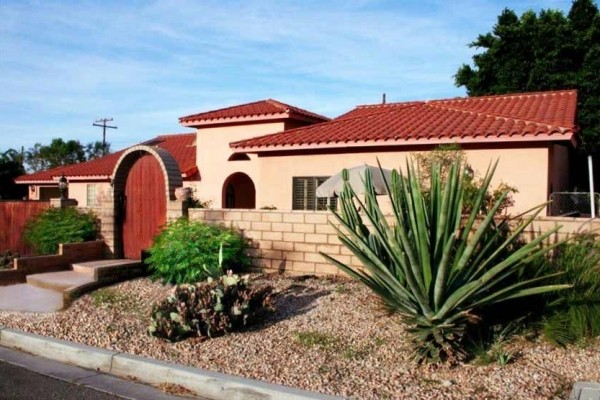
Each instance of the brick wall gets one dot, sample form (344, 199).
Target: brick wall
(291, 240)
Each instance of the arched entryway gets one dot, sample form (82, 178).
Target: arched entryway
(144, 182)
(239, 191)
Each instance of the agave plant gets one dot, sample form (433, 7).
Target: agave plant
(433, 265)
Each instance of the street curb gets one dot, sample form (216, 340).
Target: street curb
(214, 385)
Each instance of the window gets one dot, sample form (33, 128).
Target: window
(304, 196)
(91, 195)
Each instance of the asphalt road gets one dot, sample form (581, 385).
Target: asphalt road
(23, 384)
(25, 376)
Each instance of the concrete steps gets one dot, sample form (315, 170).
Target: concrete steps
(60, 288)
(105, 268)
(59, 281)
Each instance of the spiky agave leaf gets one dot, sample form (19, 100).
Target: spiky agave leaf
(430, 264)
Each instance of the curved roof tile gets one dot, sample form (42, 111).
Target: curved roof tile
(502, 117)
(256, 109)
(181, 146)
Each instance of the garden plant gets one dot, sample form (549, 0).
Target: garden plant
(210, 309)
(187, 252)
(46, 230)
(432, 264)
(573, 316)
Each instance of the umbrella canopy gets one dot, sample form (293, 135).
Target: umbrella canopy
(334, 185)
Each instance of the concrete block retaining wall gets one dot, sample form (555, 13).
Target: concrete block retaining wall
(284, 240)
(291, 240)
(68, 253)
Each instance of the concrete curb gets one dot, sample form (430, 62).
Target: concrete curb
(205, 383)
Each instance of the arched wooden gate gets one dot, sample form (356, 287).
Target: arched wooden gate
(144, 181)
(145, 211)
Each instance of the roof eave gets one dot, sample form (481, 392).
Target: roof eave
(190, 122)
(566, 136)
(36, 182)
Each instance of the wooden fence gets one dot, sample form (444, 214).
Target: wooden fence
(13, 217)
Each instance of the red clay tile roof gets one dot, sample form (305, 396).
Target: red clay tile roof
(263, 108)
(511, 117)
(181, 146)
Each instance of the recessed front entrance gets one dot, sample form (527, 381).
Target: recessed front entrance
(239, 191)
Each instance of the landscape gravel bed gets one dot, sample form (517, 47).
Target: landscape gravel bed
(326, 335)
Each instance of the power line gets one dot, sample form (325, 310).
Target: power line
(104, 126)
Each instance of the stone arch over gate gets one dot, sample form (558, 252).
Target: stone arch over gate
(133, 162)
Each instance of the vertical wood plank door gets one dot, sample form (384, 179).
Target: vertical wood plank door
(145, 206)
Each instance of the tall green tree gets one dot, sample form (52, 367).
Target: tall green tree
(59, 153)
(11, 166)
(545, 51)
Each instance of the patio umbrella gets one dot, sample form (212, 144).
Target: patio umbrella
(334, 185)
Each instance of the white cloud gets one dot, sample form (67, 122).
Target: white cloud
(63, 64)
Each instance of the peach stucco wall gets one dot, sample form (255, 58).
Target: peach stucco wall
(525, 169)
(213, 151)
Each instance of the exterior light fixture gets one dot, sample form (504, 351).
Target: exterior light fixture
(63, 185)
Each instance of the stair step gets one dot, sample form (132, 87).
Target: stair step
(103, 268)
(59, 281)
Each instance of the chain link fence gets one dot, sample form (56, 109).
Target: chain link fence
(572, 204)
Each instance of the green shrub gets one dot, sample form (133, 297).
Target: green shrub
(46, 230)
(210, 309)
(432, 266)
(574, 315)
(188, 252)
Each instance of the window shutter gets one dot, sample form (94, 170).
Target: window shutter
(304, 193)
(311, 189)
(298, 188)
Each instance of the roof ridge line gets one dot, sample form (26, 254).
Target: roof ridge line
(507, 95)
(223, 108)
(277, 103)
(378, 112)
(395, 103)
(174, 134)
(490, 114)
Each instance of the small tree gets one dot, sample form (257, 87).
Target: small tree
(444, 157)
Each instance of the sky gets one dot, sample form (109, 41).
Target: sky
(65, 64)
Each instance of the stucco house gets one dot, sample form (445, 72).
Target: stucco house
(270, 154)
(531, 133)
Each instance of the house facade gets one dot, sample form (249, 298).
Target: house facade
(268, 154)
(531, 134)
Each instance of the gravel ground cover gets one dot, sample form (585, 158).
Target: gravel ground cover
(326, 335)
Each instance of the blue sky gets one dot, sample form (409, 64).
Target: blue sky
(63, 64)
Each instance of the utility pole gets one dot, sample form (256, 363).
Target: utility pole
(104, 126)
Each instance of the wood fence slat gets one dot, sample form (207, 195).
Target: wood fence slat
(13, 217)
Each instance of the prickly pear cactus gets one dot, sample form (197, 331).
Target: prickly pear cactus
(210, 309)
